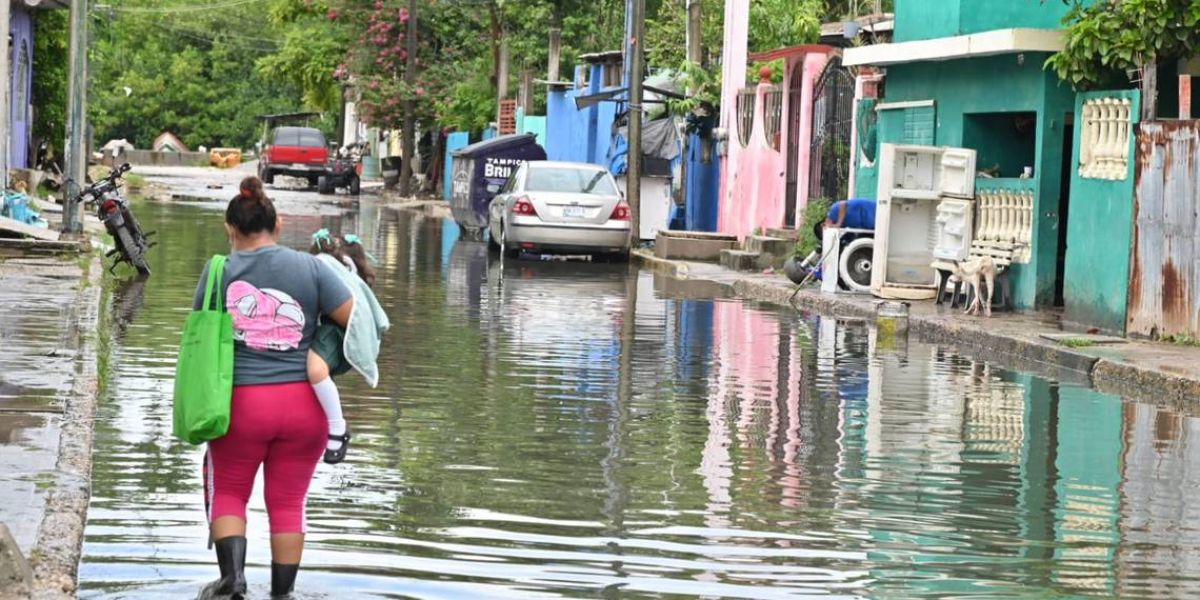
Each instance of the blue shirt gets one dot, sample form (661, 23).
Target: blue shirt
(860, 213)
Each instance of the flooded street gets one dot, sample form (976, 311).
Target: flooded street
(550, 429)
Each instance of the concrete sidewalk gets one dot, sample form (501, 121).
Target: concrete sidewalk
(1166, 374)
(48, 383)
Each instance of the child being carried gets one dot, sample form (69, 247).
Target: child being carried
(335, 350)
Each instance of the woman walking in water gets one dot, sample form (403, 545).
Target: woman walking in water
(275, 296)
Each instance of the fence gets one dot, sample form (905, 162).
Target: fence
(1164, 285)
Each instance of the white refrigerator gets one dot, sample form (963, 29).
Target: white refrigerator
(925, 212)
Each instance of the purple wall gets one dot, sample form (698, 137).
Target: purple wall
(21, 62)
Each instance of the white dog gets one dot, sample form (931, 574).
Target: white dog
(975, 272)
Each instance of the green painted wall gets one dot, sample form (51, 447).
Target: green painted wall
(1099, 238)
(993, 85)
(929, 19)
(866, 172)
(926, 19)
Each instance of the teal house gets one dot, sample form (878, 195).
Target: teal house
(970, 74)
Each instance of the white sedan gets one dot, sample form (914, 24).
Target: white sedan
(560, 207)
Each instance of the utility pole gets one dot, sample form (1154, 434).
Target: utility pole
(74, 152)
(552, 70)
(5, 111)
(410, 104)
(633, 185)
(693, 32)
(502, 79)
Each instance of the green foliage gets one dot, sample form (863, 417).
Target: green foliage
(189, 73)
(666, 33)
(1182, 339)
(311, 49)
(782, 23)
(50, 61)
(1077, 343)
(705, 86)
(816, 210)
(778, 69)
(1107, 38)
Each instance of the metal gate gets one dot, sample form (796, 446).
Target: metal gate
(833, 118)
(1164, 283)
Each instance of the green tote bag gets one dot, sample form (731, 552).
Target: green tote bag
(204, 373)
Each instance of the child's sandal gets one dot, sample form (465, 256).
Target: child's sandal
(334, 457)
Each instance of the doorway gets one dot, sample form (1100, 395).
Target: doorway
(1064, 207)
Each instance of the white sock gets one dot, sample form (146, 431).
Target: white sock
(331, 401)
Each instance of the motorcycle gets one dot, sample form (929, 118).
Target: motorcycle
(343, 170)
(118, 220)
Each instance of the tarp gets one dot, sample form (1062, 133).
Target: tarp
(660, 139)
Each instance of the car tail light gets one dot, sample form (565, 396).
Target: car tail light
(524, 207)
(621, 212)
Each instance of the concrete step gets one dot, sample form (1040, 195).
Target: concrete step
(769, 245)
(740, 260)
(774, 250)
(787, 234)
(686, 245)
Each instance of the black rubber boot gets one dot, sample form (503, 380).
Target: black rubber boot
(231, 559)
(283, 579)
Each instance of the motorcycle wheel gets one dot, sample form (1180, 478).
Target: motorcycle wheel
(324, 186)
(354, 186)
(132, 251)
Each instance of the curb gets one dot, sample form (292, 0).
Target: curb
(673, 268)
(1027, 353)
(56, 554)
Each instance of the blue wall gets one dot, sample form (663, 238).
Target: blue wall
(701, 193)
(21, 30)
(454, 141)
(579, 135)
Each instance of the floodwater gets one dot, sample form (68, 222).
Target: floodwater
(551, 429)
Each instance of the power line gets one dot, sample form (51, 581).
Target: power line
(274, 44)
(177, 9)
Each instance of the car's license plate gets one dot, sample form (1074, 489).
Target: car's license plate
(573, 212)
(300, 166)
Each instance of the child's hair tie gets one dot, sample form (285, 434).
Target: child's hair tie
(354, 240)
(322, 238)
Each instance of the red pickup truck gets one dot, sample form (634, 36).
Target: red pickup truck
(294, 151)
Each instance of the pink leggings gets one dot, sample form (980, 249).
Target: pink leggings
(280, 427)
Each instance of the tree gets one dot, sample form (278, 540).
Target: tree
(313, 45)
(1107, 39)
(666, 33)
(781, 23)
(50, 60)
(158, 69)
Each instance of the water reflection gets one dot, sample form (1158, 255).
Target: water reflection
(568, 429)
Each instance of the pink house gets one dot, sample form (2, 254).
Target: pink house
(766, 171)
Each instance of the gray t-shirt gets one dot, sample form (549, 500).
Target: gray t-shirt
(275, 295)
